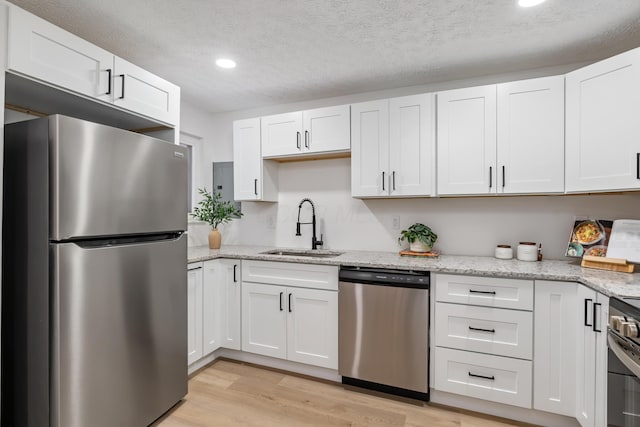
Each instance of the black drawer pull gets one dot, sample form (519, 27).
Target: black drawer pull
(473, 291)
(638, 165)
(298, 140)
(491, 331)
(109, 82)
(306, 139)
(491, 378)
(382, 180)
(289, 302)
(122, 92)
(281, 301)
(235, 268)
(490, 176)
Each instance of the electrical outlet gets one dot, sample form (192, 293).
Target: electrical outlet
(395, 223)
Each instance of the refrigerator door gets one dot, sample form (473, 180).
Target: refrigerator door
(108, 181)
(119, 332)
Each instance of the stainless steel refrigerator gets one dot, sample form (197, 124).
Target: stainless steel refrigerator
(94, 292)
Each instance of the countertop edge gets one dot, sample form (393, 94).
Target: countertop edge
(611, 284)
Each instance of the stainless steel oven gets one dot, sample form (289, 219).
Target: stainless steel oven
(623, 388)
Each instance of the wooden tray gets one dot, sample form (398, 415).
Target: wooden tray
(604, 263)
(430, 254)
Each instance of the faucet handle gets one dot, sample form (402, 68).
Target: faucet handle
(320, 242)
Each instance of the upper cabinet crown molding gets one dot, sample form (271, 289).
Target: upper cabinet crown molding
(41, 51)
(318, 131)
(603, 131)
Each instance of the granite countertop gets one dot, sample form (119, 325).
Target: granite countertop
(606, 282)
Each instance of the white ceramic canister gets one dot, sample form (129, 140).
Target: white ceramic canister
(527, 251)
(504, 252)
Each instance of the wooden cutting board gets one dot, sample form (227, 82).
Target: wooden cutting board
(612, 264)
(430, 254)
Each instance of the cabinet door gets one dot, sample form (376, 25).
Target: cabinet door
(282, 134)
(602, 357)
(140, 91)
(412, 145)
(531, 136)
(327, 129)
(586, 358)
(39, 49)
(370, 149)
(603, 132)
(230, 303)
(247, 161)
(466, 140)
(194, 313)
(312, 327)
(554, 369)
(264, 329)
(212, 279)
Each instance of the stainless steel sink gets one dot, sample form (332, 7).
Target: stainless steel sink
(303, 253)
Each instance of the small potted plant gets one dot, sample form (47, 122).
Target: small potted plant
(420, 237)
(214, 211)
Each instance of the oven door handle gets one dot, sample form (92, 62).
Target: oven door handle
(627, 361)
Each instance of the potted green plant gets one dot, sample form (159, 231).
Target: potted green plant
(420, 237)
(214, 211)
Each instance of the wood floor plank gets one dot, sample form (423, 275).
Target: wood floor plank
(229, 393)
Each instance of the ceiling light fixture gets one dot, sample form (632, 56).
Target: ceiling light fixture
(529, 3)
(225, 63)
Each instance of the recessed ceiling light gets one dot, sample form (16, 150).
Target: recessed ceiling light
(529, 3)
(225, 63)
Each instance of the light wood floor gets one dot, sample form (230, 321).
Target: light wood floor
(229, 393)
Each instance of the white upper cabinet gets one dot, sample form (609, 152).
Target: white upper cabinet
(603, 131)
(42, 51)
(467, 141)
(253, 178)
(370, 149)
(393, 147)
(138, 90)
(50, 54)
(531, 136)
(323, 130)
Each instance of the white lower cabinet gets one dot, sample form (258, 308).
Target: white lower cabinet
(554, 359)
(483, 376)
(591, 360)
(298, 323)
(213, 307)
(194, 312)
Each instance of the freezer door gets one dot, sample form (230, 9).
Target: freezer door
(108, 181)
(119, 333)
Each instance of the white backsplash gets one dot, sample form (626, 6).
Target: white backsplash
(465, 225)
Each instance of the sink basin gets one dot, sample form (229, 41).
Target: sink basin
(303, 253)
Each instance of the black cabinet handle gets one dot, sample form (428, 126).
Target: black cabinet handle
(473, 291)
(194, 268)
(491, 331)
(255, 186)
(306, 139)
(586, 316)
(595, 317)
(235, 268)
(490, 176)
(393, 176)
(298, 140)
(289, 302)
(382, 180)
(108, 82)
(502, 176)
(281, 293)
(638, 165)
(122, 92)
(492, 378)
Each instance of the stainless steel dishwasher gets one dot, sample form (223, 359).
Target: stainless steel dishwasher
(384, 330)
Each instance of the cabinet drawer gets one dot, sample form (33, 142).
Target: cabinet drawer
(494, 378)
(291, 274)
(487, 291)
(485, 330)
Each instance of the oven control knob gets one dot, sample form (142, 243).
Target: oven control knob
(629, 329)
(614, 322)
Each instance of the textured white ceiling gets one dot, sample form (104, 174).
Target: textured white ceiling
(295, 50)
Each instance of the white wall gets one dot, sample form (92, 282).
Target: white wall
(465, 225)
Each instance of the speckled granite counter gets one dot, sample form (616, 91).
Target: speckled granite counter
(608, 283)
